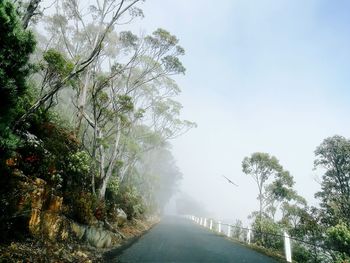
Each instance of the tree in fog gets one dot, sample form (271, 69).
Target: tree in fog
(262, 167)
(16, 46)
(333, 155)
(82, 39)
(280, 191)
(132, 93)
(156, 175)
(115, 82)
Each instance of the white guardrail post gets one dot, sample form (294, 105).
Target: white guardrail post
(248, 236)
(287, 247)
(203, 222)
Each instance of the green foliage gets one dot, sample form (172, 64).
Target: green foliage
(293, 215)
(114, 185)
(112, 191)
(16, 45)
(57, 64)
(261, 166)
(51, 151)
(125, 103)
(338, 237)
(173, 64)
(281, 187)
(334, 155)
(83, 207)
(76, 167)
(162, 38)
(8, 142)
(79, 162)
(55, 69)
(301, 253)
(163, 41)
(268, 233)
(128, 39)
(130, 201)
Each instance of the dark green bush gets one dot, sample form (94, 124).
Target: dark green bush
(338, 238)
(268, 233)
(16, 45)
(130, 201)
(83, 207)
(301, 253)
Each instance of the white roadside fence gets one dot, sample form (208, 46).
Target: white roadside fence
(217, 227)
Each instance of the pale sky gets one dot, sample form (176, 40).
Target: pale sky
(264, 75)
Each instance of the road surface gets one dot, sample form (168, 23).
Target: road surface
(180, 240)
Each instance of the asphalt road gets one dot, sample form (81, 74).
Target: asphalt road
(180, 240)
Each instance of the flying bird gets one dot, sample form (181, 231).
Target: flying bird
(230, 181)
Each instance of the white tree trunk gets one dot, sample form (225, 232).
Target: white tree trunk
(82, 101)
(107, 176)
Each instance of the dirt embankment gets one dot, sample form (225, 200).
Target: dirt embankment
(33, 250)
(49, 235)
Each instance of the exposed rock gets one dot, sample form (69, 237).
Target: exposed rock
(56, 227)
(121, 217)
(113, 229)
(37, 201)
(51, 224)
(95, 236)
(98, 238)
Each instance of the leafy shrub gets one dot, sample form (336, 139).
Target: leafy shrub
(268, 233)
(130, 201)
(56, 64)
(77, 170)
(302, 253)
(83, 207)
(112, 189)
(79, 162)
(16, 45)
(338, 237)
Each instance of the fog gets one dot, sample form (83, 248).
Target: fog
(267, 76)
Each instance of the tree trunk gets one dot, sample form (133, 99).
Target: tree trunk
(102, 155)
(107, 176)
(260, 214)
(32, 7)
(81, 102)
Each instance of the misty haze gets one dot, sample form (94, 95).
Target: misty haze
(174, 131)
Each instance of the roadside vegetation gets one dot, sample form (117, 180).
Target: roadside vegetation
(87, 113)
(319, 234)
